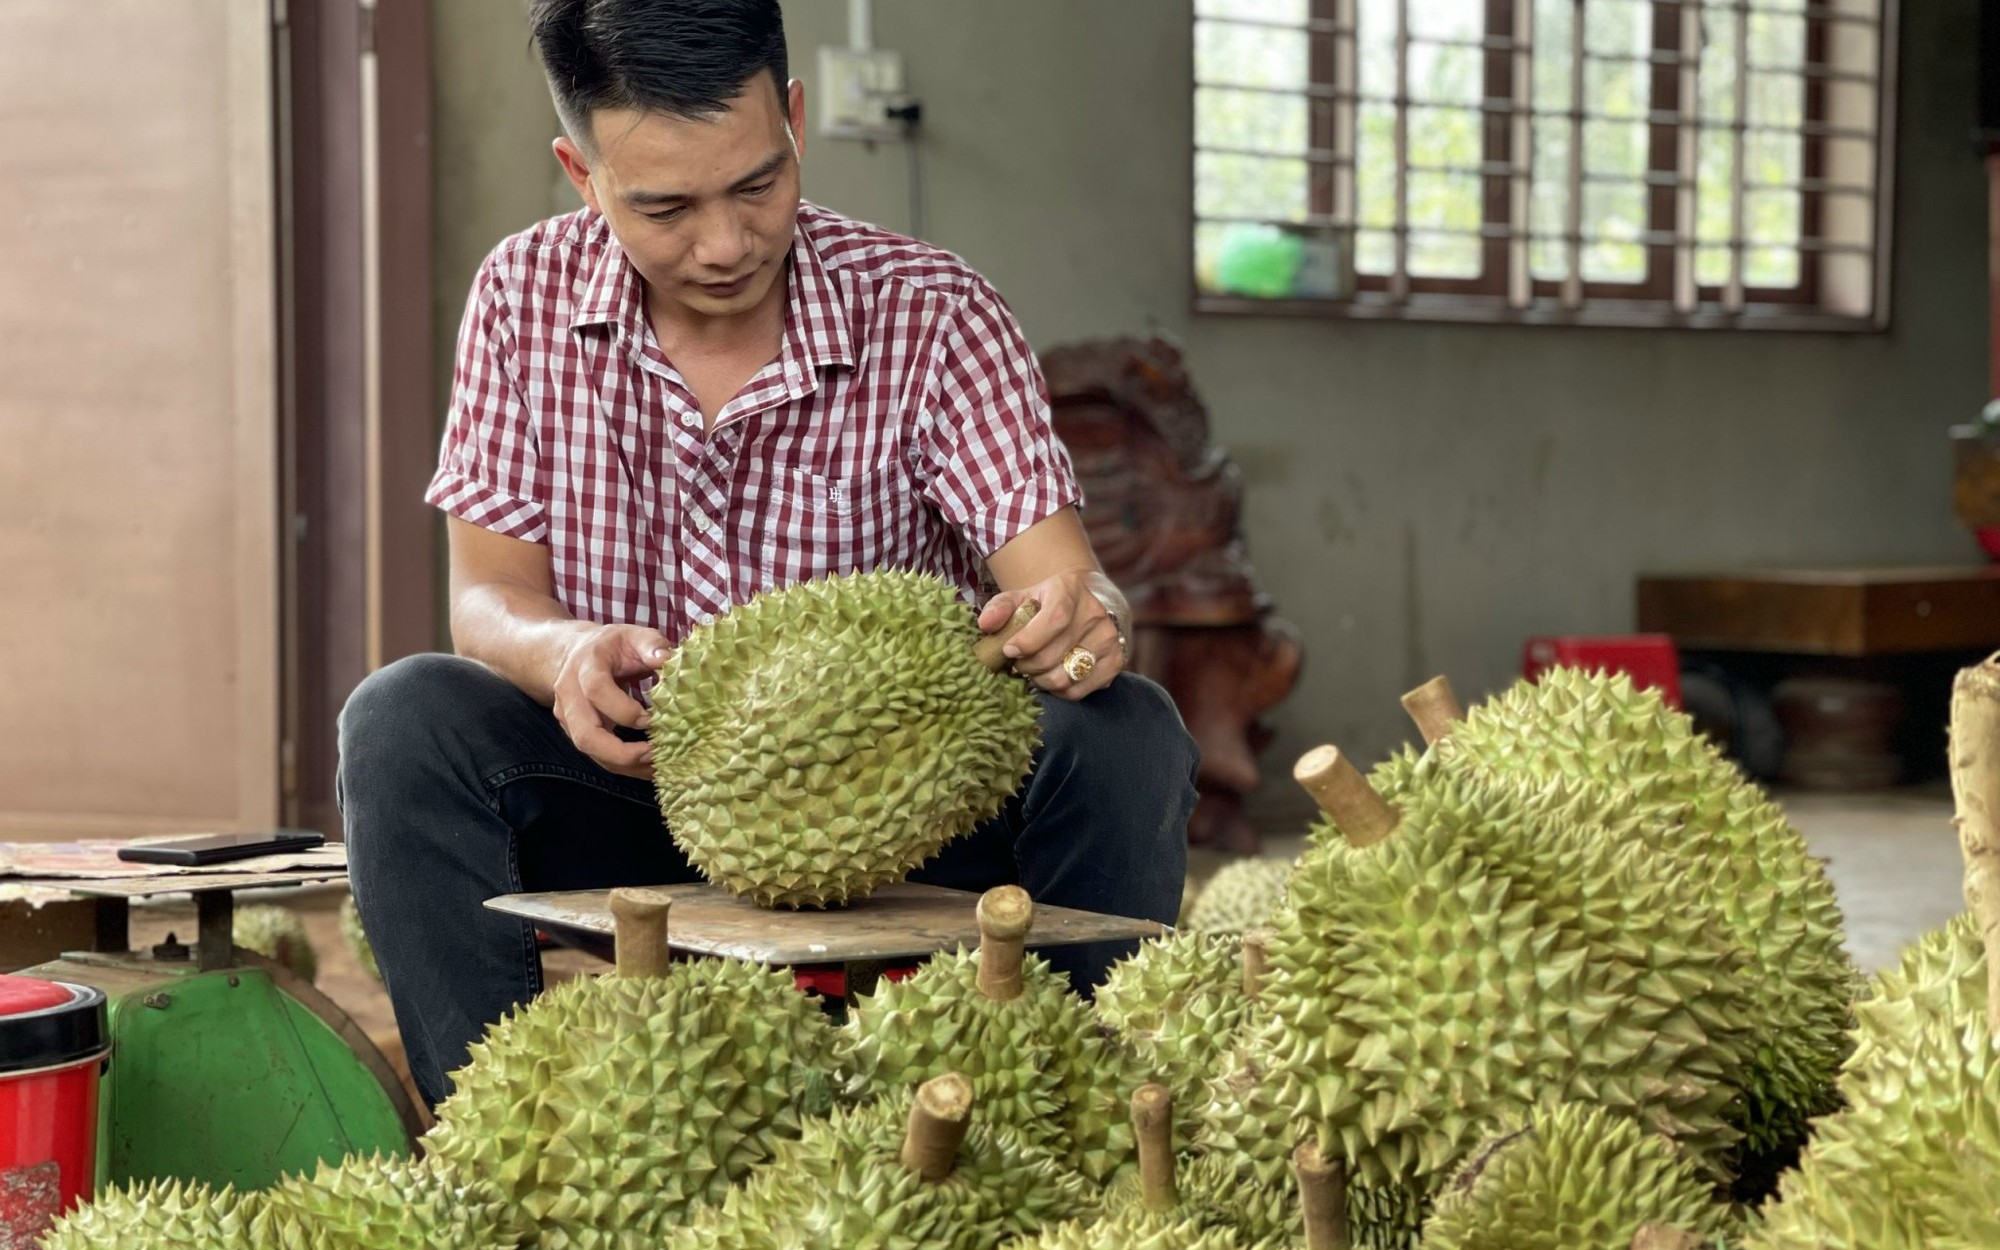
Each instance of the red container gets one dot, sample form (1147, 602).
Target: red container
(53, 1041)
(1648, 659)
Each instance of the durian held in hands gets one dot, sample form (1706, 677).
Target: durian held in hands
(826, 738)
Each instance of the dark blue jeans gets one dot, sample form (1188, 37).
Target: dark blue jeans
(456, 787)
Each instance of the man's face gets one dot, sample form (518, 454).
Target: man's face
(704, 209)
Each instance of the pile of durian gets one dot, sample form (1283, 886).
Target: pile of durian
(1562, 980)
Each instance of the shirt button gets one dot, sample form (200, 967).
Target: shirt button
(691, 421)
(700, 523)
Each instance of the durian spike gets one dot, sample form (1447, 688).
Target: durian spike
(988, 648)
(1435, 708)
(1322, 1197)
(939, 1116)
(1005, 912)
(1345, 795)
(1256, 958)
(1975, 793)
(639, 928)
(1661, 1237)
(1153, 1126)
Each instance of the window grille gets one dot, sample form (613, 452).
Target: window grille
(1687, 162)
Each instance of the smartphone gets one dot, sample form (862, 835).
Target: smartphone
(216, 848)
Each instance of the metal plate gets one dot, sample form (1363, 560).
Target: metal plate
(899, 920)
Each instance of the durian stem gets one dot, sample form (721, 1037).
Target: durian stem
(939, 1117)
(1345, 795)
(1005, 912)
(1435, 709)
(1153, 1126)
(639, 928)
(1975, 793)
(1322, 1197)
(1256, 960)
(988, 648)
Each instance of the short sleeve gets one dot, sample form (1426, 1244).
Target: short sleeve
(994, 464)
(489, 465)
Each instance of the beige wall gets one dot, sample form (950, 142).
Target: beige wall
(1420, 497)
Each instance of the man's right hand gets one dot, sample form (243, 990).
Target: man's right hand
(590, 699)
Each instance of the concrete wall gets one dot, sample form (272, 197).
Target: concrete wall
(1420, 497)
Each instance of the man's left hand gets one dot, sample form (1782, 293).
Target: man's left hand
(1073, 645)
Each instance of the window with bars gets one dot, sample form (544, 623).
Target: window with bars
(1647, 162)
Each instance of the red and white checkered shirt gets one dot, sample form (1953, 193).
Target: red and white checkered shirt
(904, 424)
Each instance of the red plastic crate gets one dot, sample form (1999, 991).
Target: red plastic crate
(1648, 659)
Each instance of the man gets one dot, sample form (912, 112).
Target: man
(695, 388)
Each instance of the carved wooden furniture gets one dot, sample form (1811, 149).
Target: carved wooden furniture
(1162, 506)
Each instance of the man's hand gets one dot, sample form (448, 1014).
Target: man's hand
(590, 699)
(1075, 613)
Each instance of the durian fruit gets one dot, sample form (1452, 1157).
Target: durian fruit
(1618, 757)
(1485, 952)
(158, 1215)
(357, 938)
(904, 1173)
(1173, 1207)
(1176, 1004)
(1242, 894)
(383, 1202)
(277, 934)
(1573, 1177)
(1248, 1141)
(1915, 1158)
(605, 1110)
(1038, 1061)
(830, 736)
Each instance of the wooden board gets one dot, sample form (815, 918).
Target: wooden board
(1841, 612)
(186, 883)
(900, 920)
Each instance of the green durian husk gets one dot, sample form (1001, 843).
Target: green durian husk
(1176, 1004)
(1573, 1177)
(1490, 955)
(842, 1184)
(1039, 1064)
(277, 934)
(1246, 1138)
(383, 1202)
(828, 737)
(357, 938)
(1134, 1230)
(1242, 894)
(605, 1110)
(1914, 1159)
(159, 1215)
(1620, 758)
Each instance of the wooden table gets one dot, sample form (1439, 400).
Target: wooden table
(1853, 612)
(1858, 659)
(899, 923)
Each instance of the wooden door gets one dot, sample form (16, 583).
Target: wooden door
(138, 419)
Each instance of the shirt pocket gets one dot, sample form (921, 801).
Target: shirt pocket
(813, 525)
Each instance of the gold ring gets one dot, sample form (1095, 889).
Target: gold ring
(1078, 663)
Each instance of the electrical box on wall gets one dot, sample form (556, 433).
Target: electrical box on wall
(857, 89)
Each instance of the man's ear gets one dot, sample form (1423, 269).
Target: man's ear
(795, 114)
(571, 158)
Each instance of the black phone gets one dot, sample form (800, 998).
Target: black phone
(216, 848)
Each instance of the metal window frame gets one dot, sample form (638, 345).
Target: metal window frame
(1670, 294)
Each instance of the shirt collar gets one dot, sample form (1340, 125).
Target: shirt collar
(816, 321)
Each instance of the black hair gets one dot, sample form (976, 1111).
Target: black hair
(684, 58)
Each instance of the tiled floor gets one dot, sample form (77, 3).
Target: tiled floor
(1894, 861)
